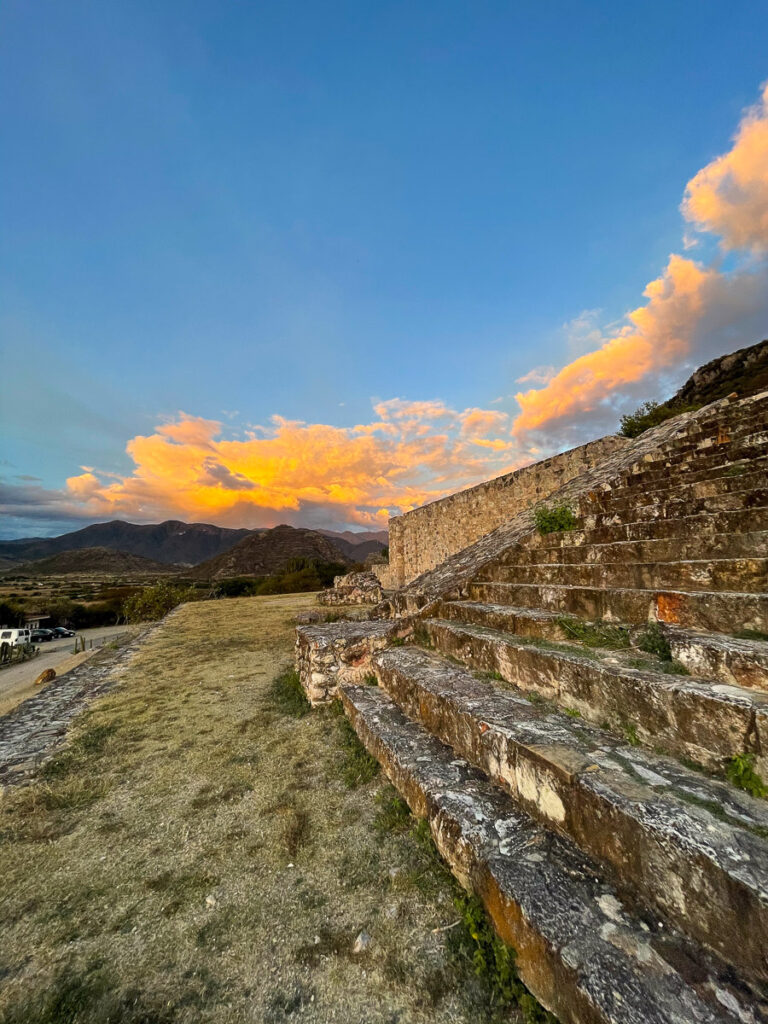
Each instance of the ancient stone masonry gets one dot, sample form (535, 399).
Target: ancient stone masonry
(354, 588)
(427, 536)
(582, 716)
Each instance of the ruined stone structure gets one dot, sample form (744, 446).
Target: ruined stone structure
(427, 536)
(582, 717)
(353, 588)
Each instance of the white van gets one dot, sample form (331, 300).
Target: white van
(15, 637)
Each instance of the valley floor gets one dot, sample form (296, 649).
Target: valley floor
(204, 849)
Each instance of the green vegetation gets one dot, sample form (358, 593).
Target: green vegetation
(595, 634)
(630, 731)
(472, 943)
(288, 695)
(492, 960)
(152, 603)
(653, 641)
(421, 635)
(301, 575)
(740, 771)
(554, 518)
(651, 414)
(751, 634)
(356, 767)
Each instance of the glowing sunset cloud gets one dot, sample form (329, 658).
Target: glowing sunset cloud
(414, 452)
(693, 311)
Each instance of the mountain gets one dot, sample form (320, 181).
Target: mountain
(172, 542)
(358, 546)
(92, 560)
(269, 551)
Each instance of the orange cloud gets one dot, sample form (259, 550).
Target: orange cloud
(729, 196)
(692, 311)
(300, 471)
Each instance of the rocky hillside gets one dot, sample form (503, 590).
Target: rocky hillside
(270, 551)
(172, 542)
(92, 560)
(744, 372)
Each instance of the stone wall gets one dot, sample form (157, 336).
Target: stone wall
(427, 536)
(354, 588)
(339, 652)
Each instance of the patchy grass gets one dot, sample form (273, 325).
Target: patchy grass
(202, 849)
(288, 694)
(356, 767)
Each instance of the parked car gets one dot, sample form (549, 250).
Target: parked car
(60, 631)
(15, 637)
(41, 635)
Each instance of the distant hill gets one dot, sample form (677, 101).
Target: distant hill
(170, 542)
(270, 551)
(358, 546)
(92, 560)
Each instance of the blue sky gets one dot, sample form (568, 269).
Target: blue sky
(240, 210)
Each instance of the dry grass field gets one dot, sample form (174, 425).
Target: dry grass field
(205, 849)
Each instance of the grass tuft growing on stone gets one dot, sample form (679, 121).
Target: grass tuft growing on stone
(595, 634)
(740, 771)
(493, 961)
(554, 519)
(751, 634)
(653, 641)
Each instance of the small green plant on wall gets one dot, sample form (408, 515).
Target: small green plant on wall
(554, 518)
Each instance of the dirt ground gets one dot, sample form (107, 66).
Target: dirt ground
(205, 849)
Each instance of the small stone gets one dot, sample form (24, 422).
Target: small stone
(210, 901)
(362, 942)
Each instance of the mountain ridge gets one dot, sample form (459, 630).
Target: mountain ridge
(171, 542)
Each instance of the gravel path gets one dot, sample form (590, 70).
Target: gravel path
(32, 730)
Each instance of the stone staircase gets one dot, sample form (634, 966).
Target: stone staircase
(567, 714)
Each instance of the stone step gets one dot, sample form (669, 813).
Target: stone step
(704, 721)
(642, 816)
(721, 612)
(733, 460)
(750, 437)
(663, 549)
(685, 526)
(748, 575)
(675, 507)
(735, 660)
(673, 486)
(521, 621)
(581, 953)
(740, 662)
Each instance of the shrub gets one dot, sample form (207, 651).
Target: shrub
(553, 519)
(651, 414)
(152, 603)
